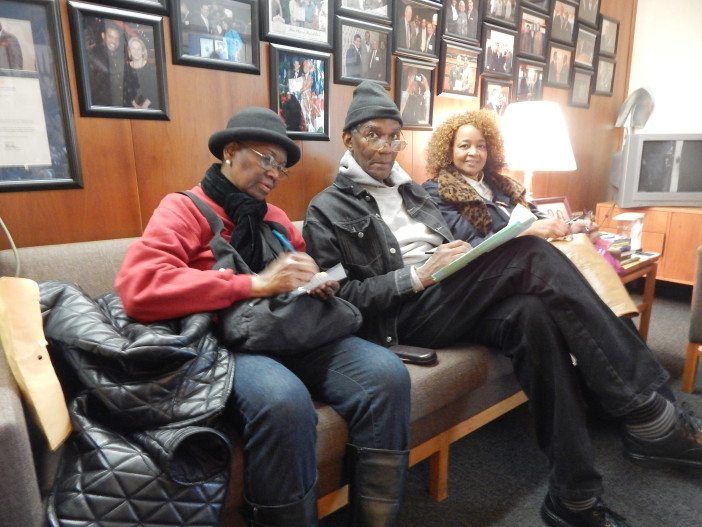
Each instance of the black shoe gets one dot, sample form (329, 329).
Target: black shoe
(682, 446)
(556, 515)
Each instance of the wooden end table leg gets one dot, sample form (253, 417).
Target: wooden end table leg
(647, 303)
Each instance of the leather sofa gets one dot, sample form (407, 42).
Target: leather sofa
(469, 387)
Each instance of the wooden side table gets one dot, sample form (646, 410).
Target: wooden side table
(644, 268)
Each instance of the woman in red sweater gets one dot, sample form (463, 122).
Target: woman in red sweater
(168, 273)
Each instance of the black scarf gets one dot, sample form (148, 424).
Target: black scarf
(245, 212)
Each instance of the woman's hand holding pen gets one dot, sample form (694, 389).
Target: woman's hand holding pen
(284, 274)
(444, 255)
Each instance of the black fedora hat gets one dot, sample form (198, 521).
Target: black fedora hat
(255, 124)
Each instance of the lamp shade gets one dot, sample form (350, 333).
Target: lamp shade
(536, 137)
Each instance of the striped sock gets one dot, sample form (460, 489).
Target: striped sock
(653, 420)
(579, 505)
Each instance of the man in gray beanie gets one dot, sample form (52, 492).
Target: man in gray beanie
(524, 298)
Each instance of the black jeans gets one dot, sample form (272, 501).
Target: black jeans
(528, 300)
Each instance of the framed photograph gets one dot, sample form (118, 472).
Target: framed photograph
(608, 36)
(462, 20)
(38, 147)
(458, 69)
(604, 80)
(298, 22)
(415, 28)
(503, 12)
(495, 94)
(373, 10)
(533, 34)
(588, 11)
(160, 7)
(557, 208)
(582, 87)
(563, 21)
(585, 47)
(299, 87)
(414, 92)
(529, 80)
(219, 35)
(361, 51)
(560, 62)
(539, 5)
(498, 44)
(119, 56)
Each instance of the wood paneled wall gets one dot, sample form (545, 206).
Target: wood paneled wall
(128, 166)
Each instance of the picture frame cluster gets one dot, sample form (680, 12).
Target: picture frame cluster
(496, 50)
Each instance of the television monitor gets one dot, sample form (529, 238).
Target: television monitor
(658, 170)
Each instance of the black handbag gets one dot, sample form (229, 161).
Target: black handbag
(280, 324)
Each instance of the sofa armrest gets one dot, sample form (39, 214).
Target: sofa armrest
(21, 504)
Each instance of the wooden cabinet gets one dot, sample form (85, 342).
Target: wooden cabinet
(675, 232)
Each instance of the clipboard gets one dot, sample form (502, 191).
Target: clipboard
(519, 221)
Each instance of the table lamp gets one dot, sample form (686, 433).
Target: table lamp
(536, 139)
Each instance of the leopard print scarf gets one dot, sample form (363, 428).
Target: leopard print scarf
(453, 188)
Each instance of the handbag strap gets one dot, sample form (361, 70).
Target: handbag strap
(225, 255)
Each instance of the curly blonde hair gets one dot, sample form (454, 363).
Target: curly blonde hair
(440, 148)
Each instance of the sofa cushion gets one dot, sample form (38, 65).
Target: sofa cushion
(92, 265)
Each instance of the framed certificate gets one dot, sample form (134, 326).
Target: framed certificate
(37, 137)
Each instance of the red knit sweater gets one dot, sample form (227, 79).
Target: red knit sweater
(168, 272)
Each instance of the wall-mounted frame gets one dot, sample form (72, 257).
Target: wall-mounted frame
(557, 207)
(160, 7)
(462, 19)
(495, 94)
(225, 38)
(361, 51)
(459, 69)
(560, 62)
(498, 48)
(604, 80)
(540, 5)
(563, 21)
(416, 29)
(379, 11)
(585, 47)
(119, 56)
(414, 92)
(502, 12)
(38, 148)
(299, 86)
(609, 34)
(529, 80)
(533, 34)
(290, 22)
(588, 11)
(582, 87)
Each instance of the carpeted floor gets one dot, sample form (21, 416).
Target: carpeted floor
(498, 477)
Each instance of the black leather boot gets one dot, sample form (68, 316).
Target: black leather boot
(302, 513)
(376, 483)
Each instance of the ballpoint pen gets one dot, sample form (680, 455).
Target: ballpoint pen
(283, 241)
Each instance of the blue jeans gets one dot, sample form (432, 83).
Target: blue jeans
(272, 399)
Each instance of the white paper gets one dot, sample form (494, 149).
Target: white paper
(23, 137)
(333, 273)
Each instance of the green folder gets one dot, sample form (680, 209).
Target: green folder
(519, 221)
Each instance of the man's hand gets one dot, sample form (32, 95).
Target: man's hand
(444, 255)
(588, 227)
(286, 273)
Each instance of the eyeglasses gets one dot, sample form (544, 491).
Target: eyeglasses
(268, 162)
(377, 143)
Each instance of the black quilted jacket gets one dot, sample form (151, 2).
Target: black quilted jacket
(147, 447)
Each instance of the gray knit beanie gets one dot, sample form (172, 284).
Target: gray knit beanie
(370, 101)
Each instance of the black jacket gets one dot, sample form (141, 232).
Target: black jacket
(147, 448)
(343, 224)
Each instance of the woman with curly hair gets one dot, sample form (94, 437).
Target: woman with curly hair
(465, 158)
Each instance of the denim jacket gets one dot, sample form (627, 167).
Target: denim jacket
(343, 224)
